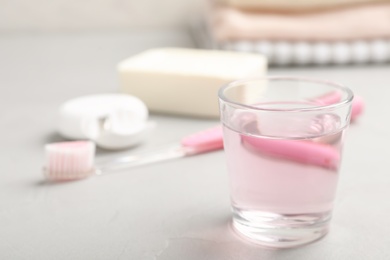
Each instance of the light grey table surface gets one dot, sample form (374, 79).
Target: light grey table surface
(172, 210)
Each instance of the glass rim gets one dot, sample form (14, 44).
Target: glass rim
(335, 85)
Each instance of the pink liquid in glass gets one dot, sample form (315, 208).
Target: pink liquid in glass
(296, 176)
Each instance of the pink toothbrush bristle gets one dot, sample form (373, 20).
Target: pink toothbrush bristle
(69, 160)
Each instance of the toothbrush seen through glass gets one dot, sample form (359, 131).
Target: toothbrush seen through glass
(283, 139)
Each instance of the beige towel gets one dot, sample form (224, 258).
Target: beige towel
(293, 5)
(357, 22)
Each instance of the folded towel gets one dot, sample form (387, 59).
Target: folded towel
(352, 23)
(318, 53)
(296, 5)
(282, 53)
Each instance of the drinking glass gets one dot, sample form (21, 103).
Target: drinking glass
(283, 139)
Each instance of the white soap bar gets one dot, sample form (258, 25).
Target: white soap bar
(186, 81)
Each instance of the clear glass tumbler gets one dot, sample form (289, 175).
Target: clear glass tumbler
(283, 140)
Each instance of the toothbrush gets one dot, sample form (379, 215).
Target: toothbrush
(75, 160)
(300, 151)
(67, 161)
(335, 96)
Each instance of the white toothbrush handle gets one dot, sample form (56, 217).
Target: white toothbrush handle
(139, 160)
(201, 142)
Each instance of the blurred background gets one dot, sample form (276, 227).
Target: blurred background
(303, 32)
(79, 15)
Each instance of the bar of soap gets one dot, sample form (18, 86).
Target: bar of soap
(185, 81)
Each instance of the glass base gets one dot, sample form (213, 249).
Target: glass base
(280, 230)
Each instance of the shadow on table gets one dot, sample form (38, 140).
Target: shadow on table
(215, 238)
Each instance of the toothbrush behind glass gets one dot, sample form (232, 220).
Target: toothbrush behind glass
(75, 160)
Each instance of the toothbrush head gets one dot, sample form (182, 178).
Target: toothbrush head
(69, 160)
